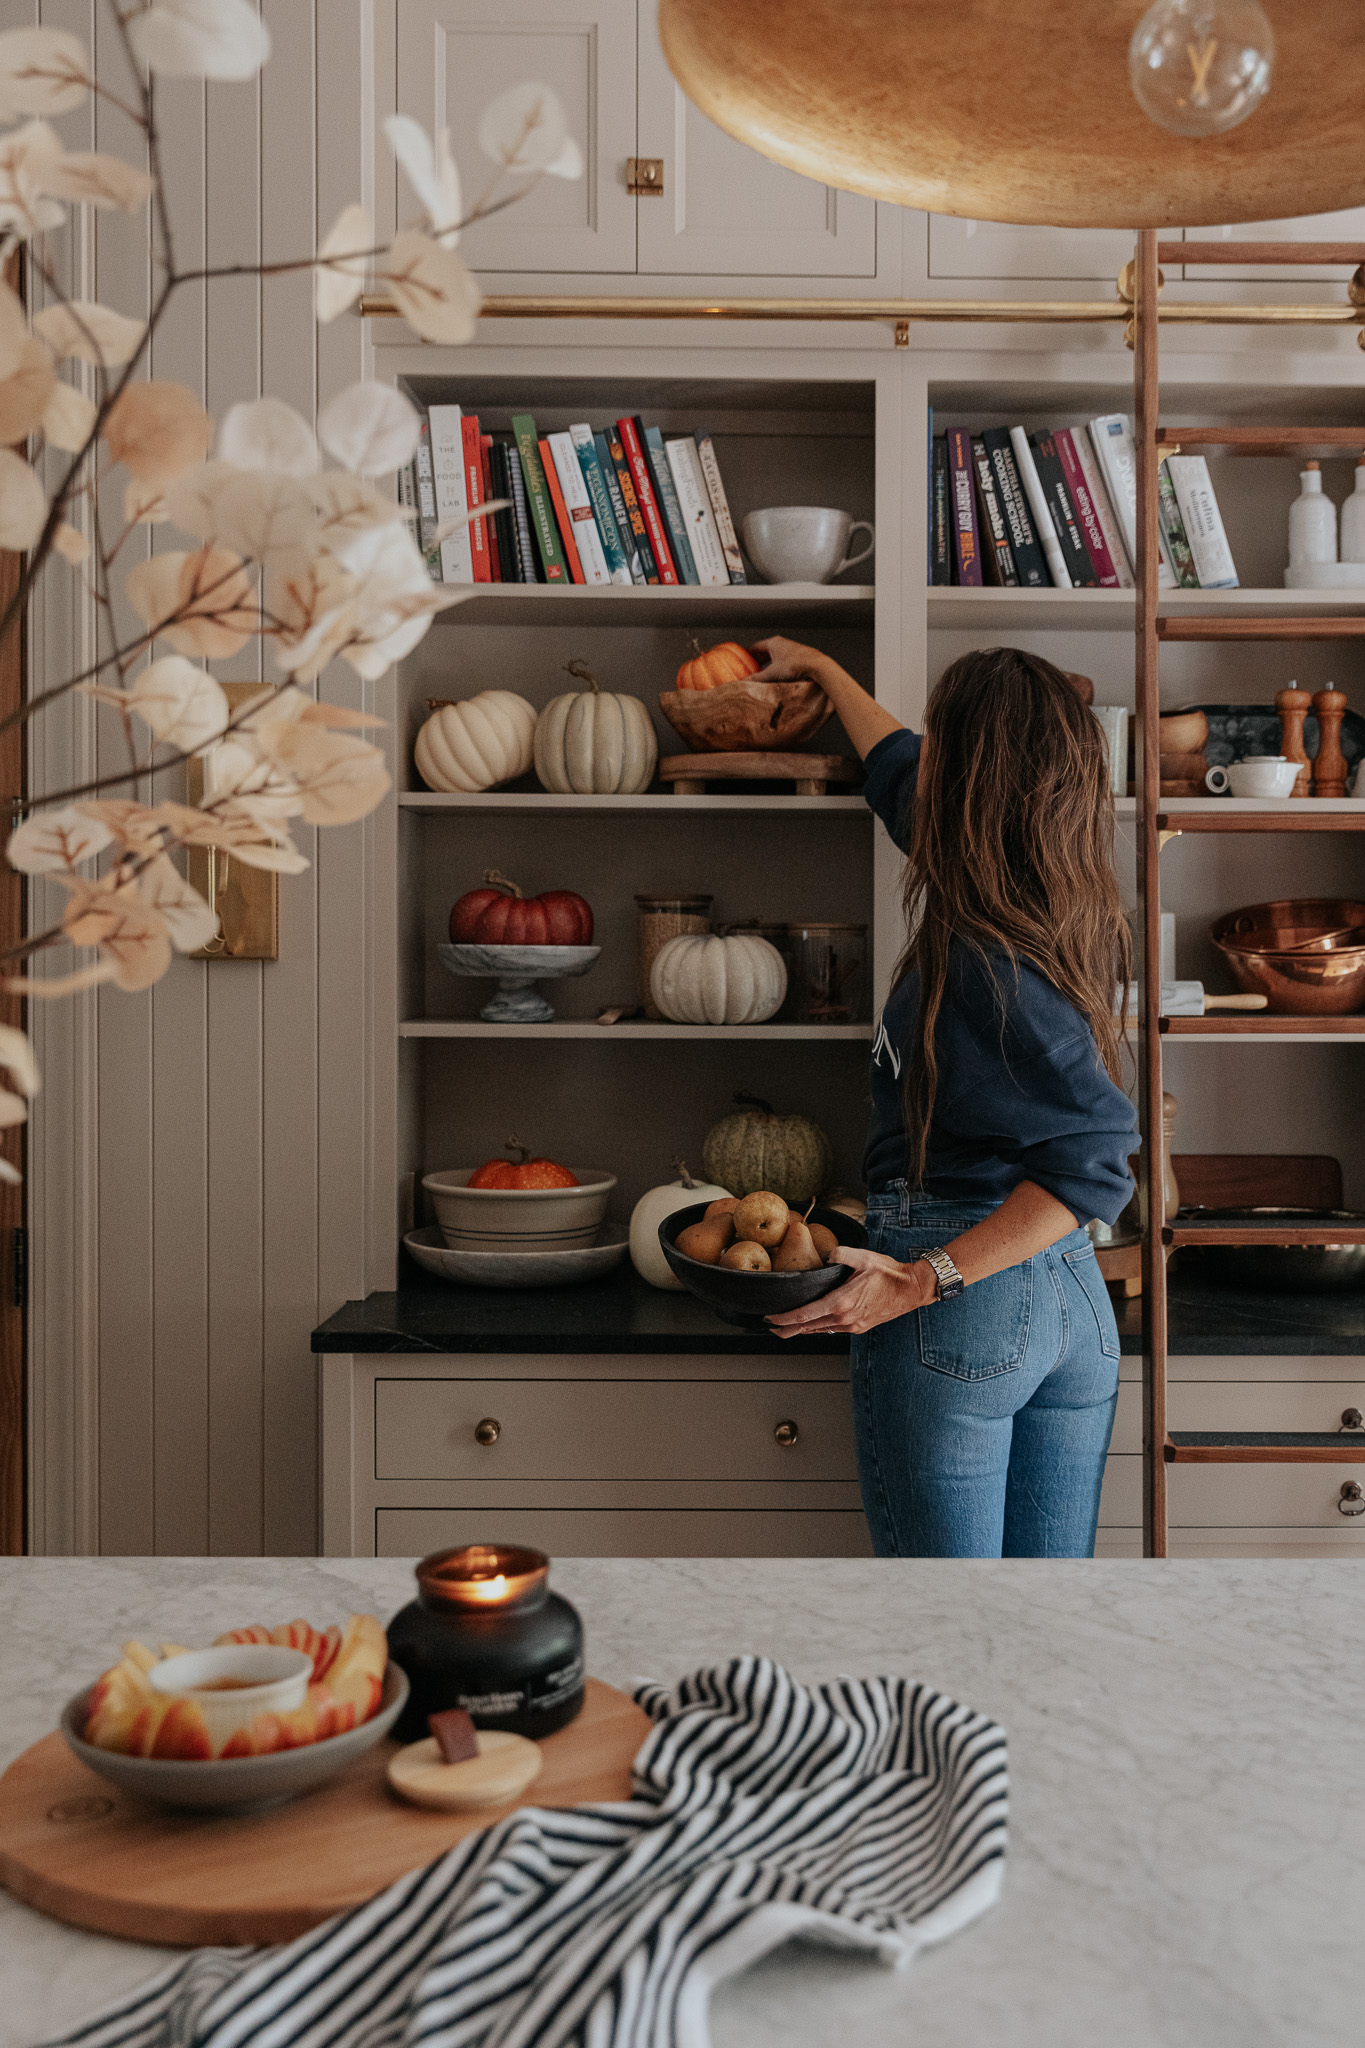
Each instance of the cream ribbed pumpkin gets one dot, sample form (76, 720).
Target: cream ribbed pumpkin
(593, 743)
(476, 744)
(736, 980)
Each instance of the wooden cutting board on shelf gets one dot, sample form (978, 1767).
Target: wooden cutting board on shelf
(76, 1847)
(690, 773)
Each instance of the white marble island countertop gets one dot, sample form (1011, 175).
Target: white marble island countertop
(1187, 1832)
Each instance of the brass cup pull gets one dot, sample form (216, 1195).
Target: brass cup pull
(488, 1431)
(1352, 1498)
(786, 1434)
(1351, 1418)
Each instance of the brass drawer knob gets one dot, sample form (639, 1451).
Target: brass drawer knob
(488, 1431)
(786, 1434)
(1352, 1498)
(1351, 1418)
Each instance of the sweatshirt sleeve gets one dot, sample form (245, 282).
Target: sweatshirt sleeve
(1058, 1119)
(892, 768)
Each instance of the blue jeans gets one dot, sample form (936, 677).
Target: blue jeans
(982, 1424)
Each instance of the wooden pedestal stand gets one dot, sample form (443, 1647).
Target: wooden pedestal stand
(690, 773)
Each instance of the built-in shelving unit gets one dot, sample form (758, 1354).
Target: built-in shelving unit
(773, 1034)
(784, 604)
(532, 802)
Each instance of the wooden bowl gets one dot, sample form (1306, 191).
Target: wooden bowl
(1184, 732)
(742, 717)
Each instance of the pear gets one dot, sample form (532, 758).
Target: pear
(705, 1241)
(745, 1257)
(797, 1252)
(824, 1240)
(762, 1218)
(726, 1206)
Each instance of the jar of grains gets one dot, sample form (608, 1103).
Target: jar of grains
(663, 918)
(826, 967)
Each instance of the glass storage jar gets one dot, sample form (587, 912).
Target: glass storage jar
(827, 973)
(663, 918)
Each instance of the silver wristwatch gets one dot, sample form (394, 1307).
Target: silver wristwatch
(950, 1281)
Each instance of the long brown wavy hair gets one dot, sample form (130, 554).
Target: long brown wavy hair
(1011, 852)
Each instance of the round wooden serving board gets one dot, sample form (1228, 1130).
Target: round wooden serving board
(76, 1847)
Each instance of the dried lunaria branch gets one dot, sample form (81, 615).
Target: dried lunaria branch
(315, 563)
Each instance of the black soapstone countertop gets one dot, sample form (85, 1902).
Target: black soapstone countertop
(624, 1314)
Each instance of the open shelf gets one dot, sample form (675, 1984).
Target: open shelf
(526, 801)
(1261, 1234)
(734, 604)
(588, 1027)
(1264, 1447)
(1261, 814)
(1227, 1024)
(1086, 610)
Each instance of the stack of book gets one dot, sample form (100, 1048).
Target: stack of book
(617, 506)
(1058, 510)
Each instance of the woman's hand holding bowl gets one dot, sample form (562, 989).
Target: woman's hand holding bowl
(880, 1289)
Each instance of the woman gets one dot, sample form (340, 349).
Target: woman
(985, 1353)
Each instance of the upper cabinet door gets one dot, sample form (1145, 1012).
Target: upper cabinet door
(454, 56)
(987, 249)
(1348, 226)
(726, 211)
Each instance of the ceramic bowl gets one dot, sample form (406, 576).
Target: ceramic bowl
(519, 1219)
(749, 1298)
(520, 1268)
(741, 717)
(232, 1683)
(239, 1784)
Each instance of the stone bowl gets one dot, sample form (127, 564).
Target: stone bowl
(746, 717)
(750, 1298)
(519, 1219)
(237, 1784)
(559, 1267)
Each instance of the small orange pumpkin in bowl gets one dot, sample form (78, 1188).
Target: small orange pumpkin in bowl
(709, 667)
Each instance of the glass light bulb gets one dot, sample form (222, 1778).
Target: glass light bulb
(1198, 67)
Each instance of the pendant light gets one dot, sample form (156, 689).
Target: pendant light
(1199, 67)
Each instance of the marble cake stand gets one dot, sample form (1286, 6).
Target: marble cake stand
(517, 969)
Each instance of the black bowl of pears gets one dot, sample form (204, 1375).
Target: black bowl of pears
(750, 1261)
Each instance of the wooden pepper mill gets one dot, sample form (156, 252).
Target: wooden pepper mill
(1329, 770)
(1293, 706)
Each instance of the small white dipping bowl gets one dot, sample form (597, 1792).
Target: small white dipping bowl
(276, 1682)
(519, 1219)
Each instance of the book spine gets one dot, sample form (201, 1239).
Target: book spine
(578, 505)
(473, 486)
(940, 526)
(997, 560)
(608, 534)
(561, 512)
(494, 537)
(1175, 541)
(649, 504)
(1048, 464)
(1030, 563)
(1203, 522)
(1038, 508)
(426, 501)
(720, 504)
(634, 511)
(666, 496)
(690, 484)
(447, 468)
(966, 540)
(538, 500)
(528, 556)
(1104, 510)
(1111, 437)
(1087, 518)
(630, 546)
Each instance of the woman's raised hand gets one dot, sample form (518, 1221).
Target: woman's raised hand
(790, 662)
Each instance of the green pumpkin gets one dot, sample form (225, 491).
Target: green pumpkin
(752, 1149)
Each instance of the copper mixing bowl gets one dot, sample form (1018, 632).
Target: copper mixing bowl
(1280, 951)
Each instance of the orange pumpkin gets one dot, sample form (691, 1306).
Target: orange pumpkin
(712, 666)
(524, 1172)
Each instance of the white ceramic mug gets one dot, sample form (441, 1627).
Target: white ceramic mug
(803, 543)
(1258, 775)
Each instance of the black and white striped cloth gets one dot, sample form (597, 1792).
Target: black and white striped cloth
(867, 1814)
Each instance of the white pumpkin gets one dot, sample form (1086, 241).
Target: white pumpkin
(593, 743)
(649, 1212)
(736, 980)
(475, 744)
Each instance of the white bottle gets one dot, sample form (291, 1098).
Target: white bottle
(1353, 519)
(1312, 521)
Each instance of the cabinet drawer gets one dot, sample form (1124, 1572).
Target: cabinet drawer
(1234, 1496)
(603, 1429)
(1306, 1405)
(627, 1532)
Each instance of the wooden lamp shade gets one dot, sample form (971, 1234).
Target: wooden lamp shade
(1020, 110)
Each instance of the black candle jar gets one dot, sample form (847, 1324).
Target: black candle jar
(486, 1633)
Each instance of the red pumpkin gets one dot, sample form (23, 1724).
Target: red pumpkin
(501, 916)
(712, 666)
(524, 1172)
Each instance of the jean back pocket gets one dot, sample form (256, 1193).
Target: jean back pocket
(1085, 1271)
(982, 1332)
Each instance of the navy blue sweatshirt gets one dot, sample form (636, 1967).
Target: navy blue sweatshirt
(1020, 1097)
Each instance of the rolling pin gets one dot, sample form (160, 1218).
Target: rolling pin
(1187, 999)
